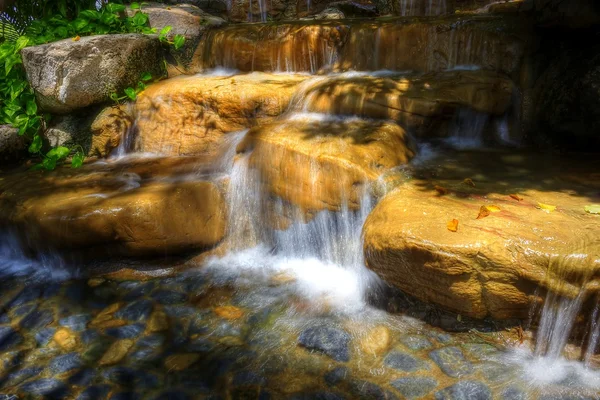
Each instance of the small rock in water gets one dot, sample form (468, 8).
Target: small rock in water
(416, 342)
(328, 340)
(377, 341)
(4, 318)
(465, 390)
(24, 309)
(179, 362)
(37, 319)
(513, 393)
(158, 322)
(229, 312)
(248, 378)
(169, 297)
(8, 338)
(28, 294)
(336, 376)
(51, 388)
(136, 311)
(116, 352)
(94, 392)
(126, 332)
(65, 363)
(66, 339)
(452, 361)
(76, 323)
(414, 387)
(93, 282)
(17, 377)
(402, 361)
(83, 377)
(44, 336)
(369, 390)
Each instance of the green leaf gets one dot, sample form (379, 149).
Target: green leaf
(58, 153)
(134, 6)
(22, 42)
(115, 8)
(130, 92)
(592, 209)
(114, 96)
(146, 76)
(164, 31)
(37, 167)
(36, 144)
(79, 23)
(140, 19)
(49, 163)
(178, 41)
(31, 108)
(77, 160)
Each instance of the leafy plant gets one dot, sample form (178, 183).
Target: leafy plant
(131, 93)
(33, 22)
(178, 40)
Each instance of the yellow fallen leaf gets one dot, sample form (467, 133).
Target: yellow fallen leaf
(76, 38)
(441, 190)
(546, 207)
(469, 182)
(592, 209)
(516, 197)
(484, 211)
(452, 225)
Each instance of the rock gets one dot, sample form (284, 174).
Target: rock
(229, 312)
(28, 294)
(465, 390)
(126, 331)
(451, 361)
(184, 19)
(369, 390)
(15, 378)
(108, 129)
(65, 363)
(416, 342)
(126, 376)
(37, 319)
(136, 311)
(50, 388)
(189, 115)
(8, 338)
(414, 387)
(318, 165)
(179, 362)
(336, 376)
(66, 339)
(496, 266)
(158, 322)
(44, 336)
(328, 14)
(328, 340)
(574, 14)
(169, 297)
(12, 146)
(77, 323)
(116, 352)
(416, 101)
(94, 392)
(69, 131)
(112, 213)
(68, 75)
(401, 361)
(83, 377)
(376, 341)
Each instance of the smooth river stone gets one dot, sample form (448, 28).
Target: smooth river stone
(126, 332)
(369, 390)
(76, 323)
(51, 388)
(336, 376)
(136, 311)
(465, 390)
(8, 338)
(169, 297)
(414, 387)
(451, 361)
(416, 342)
(402, 361)
(330, 341)
(65, 363)
(37, 319)
(94, 392)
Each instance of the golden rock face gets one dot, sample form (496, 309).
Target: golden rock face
(189, 115)
(319, 165)
(108, 129)
(114, 210)
(495, 265)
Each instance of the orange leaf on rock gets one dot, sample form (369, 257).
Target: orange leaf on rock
(516, 197)
(546, 207)
(452, 225)
(484, 211)
(76, 38)
(469, 182)
(441, 190)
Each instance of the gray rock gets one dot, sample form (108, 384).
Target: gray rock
(8, 338)
(402, 361)
(451, 361)
(248, 378)
(51, 388)
(416, 342)
(12, 146)
(83, 377)
(37, 319)
(465, 390)
(76, 323)
(169, 297)
(136, 311)
(68, 75)
(369, 390)
(328, 340)
(17, 377)
(336, 376)
(43, 336)
(65, 363)
(513, 393)
(4, 318)
(94, 392)
(126, 332)
(28, 294)
(414, 387)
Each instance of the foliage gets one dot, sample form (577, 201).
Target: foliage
(41, 22)
(131, 93)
